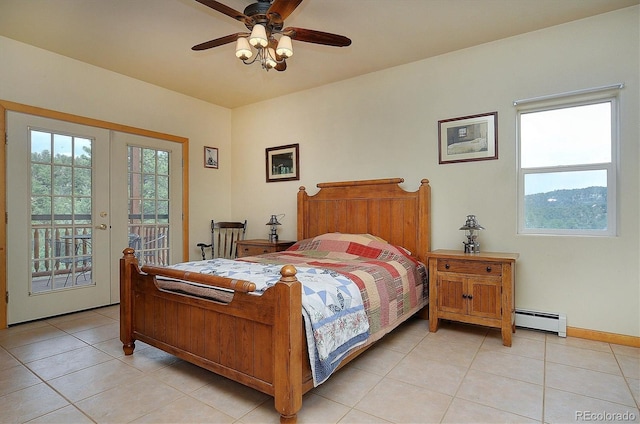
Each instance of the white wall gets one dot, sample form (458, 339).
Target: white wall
(385, 124)
(36, 77)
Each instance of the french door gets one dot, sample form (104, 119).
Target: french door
(72, 191)
(147, 209)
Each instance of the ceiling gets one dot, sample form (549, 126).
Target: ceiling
(151, 40)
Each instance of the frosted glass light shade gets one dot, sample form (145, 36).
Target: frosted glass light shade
(269, 60)
(258, 36)
(285, 49)
(243, 50)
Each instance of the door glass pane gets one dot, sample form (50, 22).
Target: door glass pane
(82, 152)
(62, 148)
(61, 189)
(148, 187)
(163, 163)
(81, 184)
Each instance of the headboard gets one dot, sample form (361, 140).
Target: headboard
(378, 207)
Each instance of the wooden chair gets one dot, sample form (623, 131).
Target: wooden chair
(224, 237)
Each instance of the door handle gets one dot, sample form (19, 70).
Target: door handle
(101, 227)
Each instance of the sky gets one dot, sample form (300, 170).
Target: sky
(566, 137)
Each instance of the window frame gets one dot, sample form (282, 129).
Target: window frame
(611, 168)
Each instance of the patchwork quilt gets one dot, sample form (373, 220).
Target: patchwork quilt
(390, 280)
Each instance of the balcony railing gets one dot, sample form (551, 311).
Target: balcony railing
(64, 252)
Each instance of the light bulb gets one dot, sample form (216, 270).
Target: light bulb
(243, 50)
(258, 36)
(285, 49)
(269, 60)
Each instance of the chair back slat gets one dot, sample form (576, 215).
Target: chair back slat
(224, 239)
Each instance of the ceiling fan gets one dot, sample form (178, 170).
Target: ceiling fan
(264, 19)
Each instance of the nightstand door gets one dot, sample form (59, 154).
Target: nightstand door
(484, 297)
(451, 292)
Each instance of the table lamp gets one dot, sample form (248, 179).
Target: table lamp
(470, 228)
(273, 233)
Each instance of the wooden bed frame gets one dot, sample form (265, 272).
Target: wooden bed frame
(259, 341)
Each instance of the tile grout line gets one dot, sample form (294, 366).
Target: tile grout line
(455, 395)
(43, 381)
(352, 408)
(595, 371)
(625, 378)
(508, 377)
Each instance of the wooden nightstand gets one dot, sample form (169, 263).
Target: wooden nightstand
(259, 247)
(476, 288)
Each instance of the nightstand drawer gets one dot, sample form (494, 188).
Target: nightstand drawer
(260, 247)
(469, 267)
(254, 250)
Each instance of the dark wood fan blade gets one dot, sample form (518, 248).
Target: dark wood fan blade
(283, 7)
(222, 8)
(219, 41)
(317, 37)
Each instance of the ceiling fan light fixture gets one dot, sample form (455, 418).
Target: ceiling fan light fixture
(285, 48)
(243, 50)
(269, 42)
(258, 37)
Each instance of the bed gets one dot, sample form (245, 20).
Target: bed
(260, 340)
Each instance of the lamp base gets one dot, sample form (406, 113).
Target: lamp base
(471, 247)
(273, 238)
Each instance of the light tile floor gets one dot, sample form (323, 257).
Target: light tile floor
(71, 369)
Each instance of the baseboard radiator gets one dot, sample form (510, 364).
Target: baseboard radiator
(546, 321)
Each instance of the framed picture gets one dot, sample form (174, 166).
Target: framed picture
(210, 157)
(468, 138)
(283, 163)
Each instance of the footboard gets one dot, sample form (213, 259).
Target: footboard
(257, 341)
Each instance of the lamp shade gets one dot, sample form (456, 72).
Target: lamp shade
(285, 49)
(270, 58)
(243, 50)
(258, 36)
(471, 224)
(273, 220)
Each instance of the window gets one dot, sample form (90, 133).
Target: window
(567, 166)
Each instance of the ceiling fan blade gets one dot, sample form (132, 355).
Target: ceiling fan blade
(229, 11)
(219, 41)
(283, 7)
(317, 37)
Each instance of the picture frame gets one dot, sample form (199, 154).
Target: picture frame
(468, 138)
(283, 163)
(210, 157)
